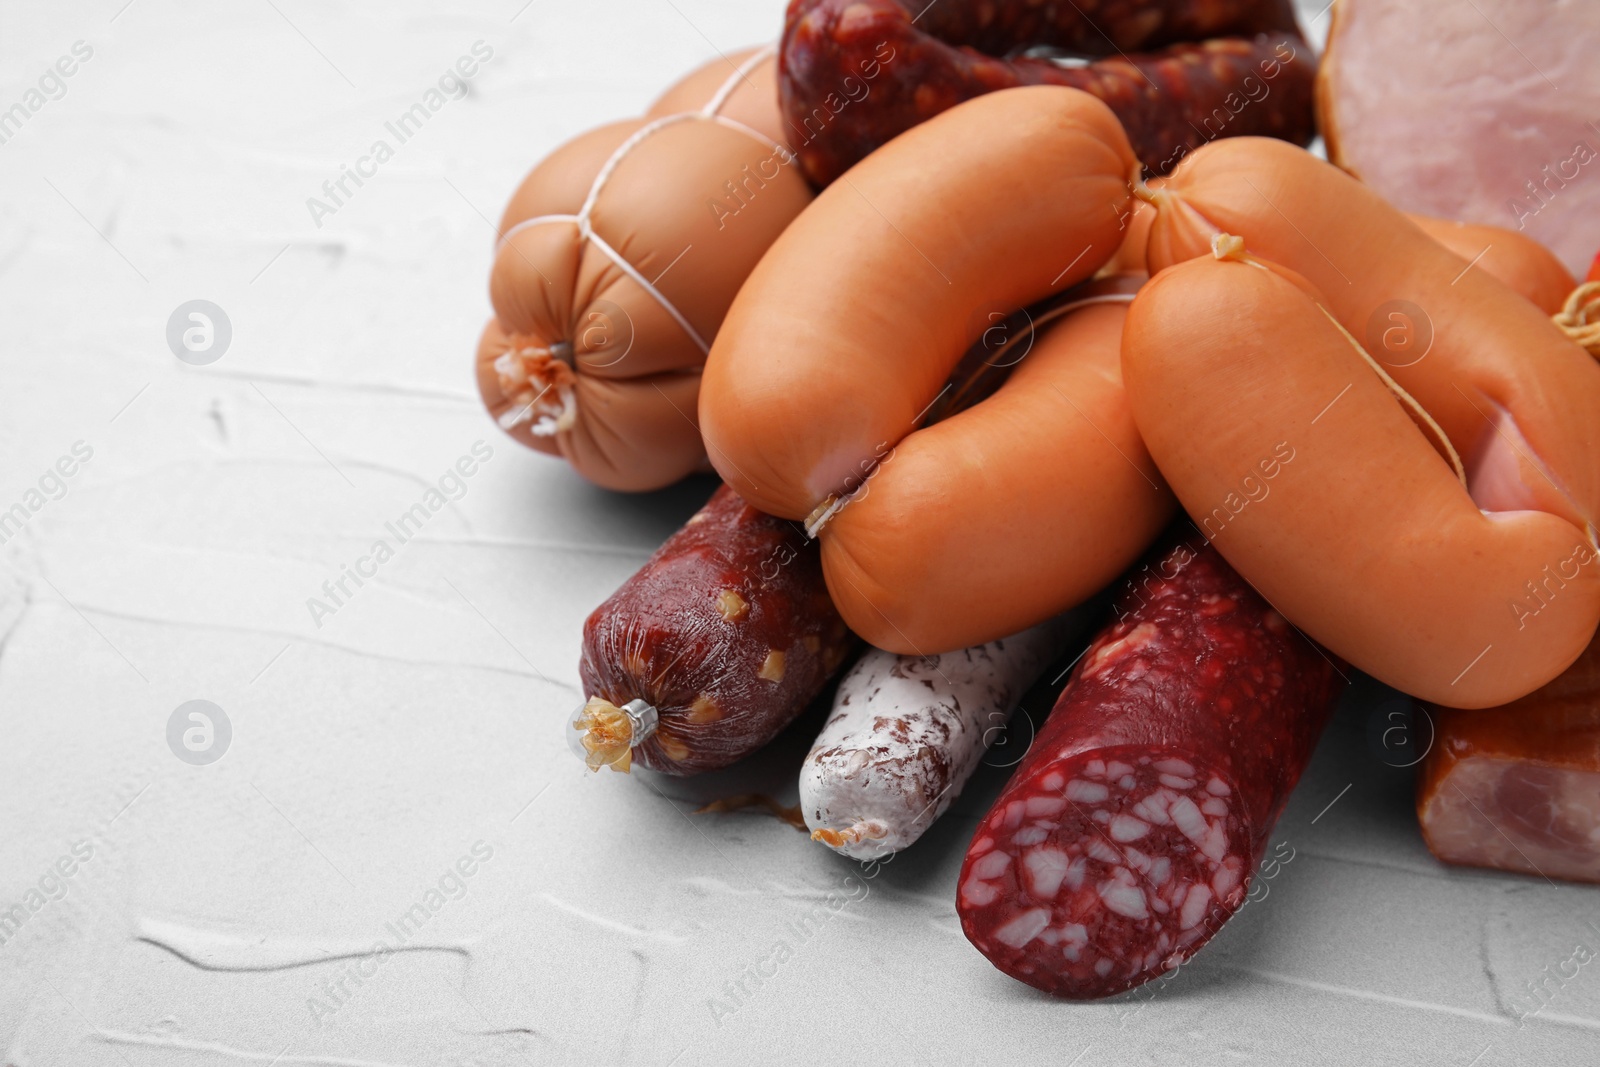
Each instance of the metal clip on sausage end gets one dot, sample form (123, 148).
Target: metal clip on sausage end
(604, 735)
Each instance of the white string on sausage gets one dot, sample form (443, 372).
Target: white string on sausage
(586, 233)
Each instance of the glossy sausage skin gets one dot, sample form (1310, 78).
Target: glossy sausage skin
(1515, 396)
(856, 73)
(1299, 464)
(1129, 834)
(1514, 259)
(1008, 512)
(849, 327)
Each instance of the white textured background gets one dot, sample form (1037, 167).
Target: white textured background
(371, 753)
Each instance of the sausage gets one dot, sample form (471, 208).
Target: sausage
(1298, 462)
(1514, 259)
(906, 732)
(619, 254)
(849, 327)
(746, 82)
(1012, 510)
(1517, 787)
(853, 74)
(1514, 396)
(1135, 236)
(713, 646)
(668, 605)
(1129, 833)
(1116, 26)
(668, 611)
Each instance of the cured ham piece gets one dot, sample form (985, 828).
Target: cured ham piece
(1482, 112)
(1517, 787)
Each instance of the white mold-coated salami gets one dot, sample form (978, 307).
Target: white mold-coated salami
(1127, 836)
(906, 732)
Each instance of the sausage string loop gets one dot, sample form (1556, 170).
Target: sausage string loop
(833, 503)
(1576, 317)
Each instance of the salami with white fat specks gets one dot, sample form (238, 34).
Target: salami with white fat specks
(1128, 834)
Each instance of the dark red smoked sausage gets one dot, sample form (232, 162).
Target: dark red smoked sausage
(1101, 28)
(1128, 835)
(712, 647)
(855, 73)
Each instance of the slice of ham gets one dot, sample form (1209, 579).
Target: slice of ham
(1483, 112)
(1517, 787)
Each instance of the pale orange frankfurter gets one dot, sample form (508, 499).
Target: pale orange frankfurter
(1298, 462)
(1517, 260)
(1135, 236)
(846, 331)
(1517, 399)
(1010, 511)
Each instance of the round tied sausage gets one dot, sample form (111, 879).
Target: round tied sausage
(1297, 461)
(618, 257)
(856, 73)
(719, 640)
(907, 732)
(851, 324)
(1515, 396)
(1012, 510)
(1129, 833)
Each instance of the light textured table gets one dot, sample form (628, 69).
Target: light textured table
(225, 913)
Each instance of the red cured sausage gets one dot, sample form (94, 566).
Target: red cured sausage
(1517, 787)
(1128, 835)
(856, 73)
(1099, 29)
(711, 648)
